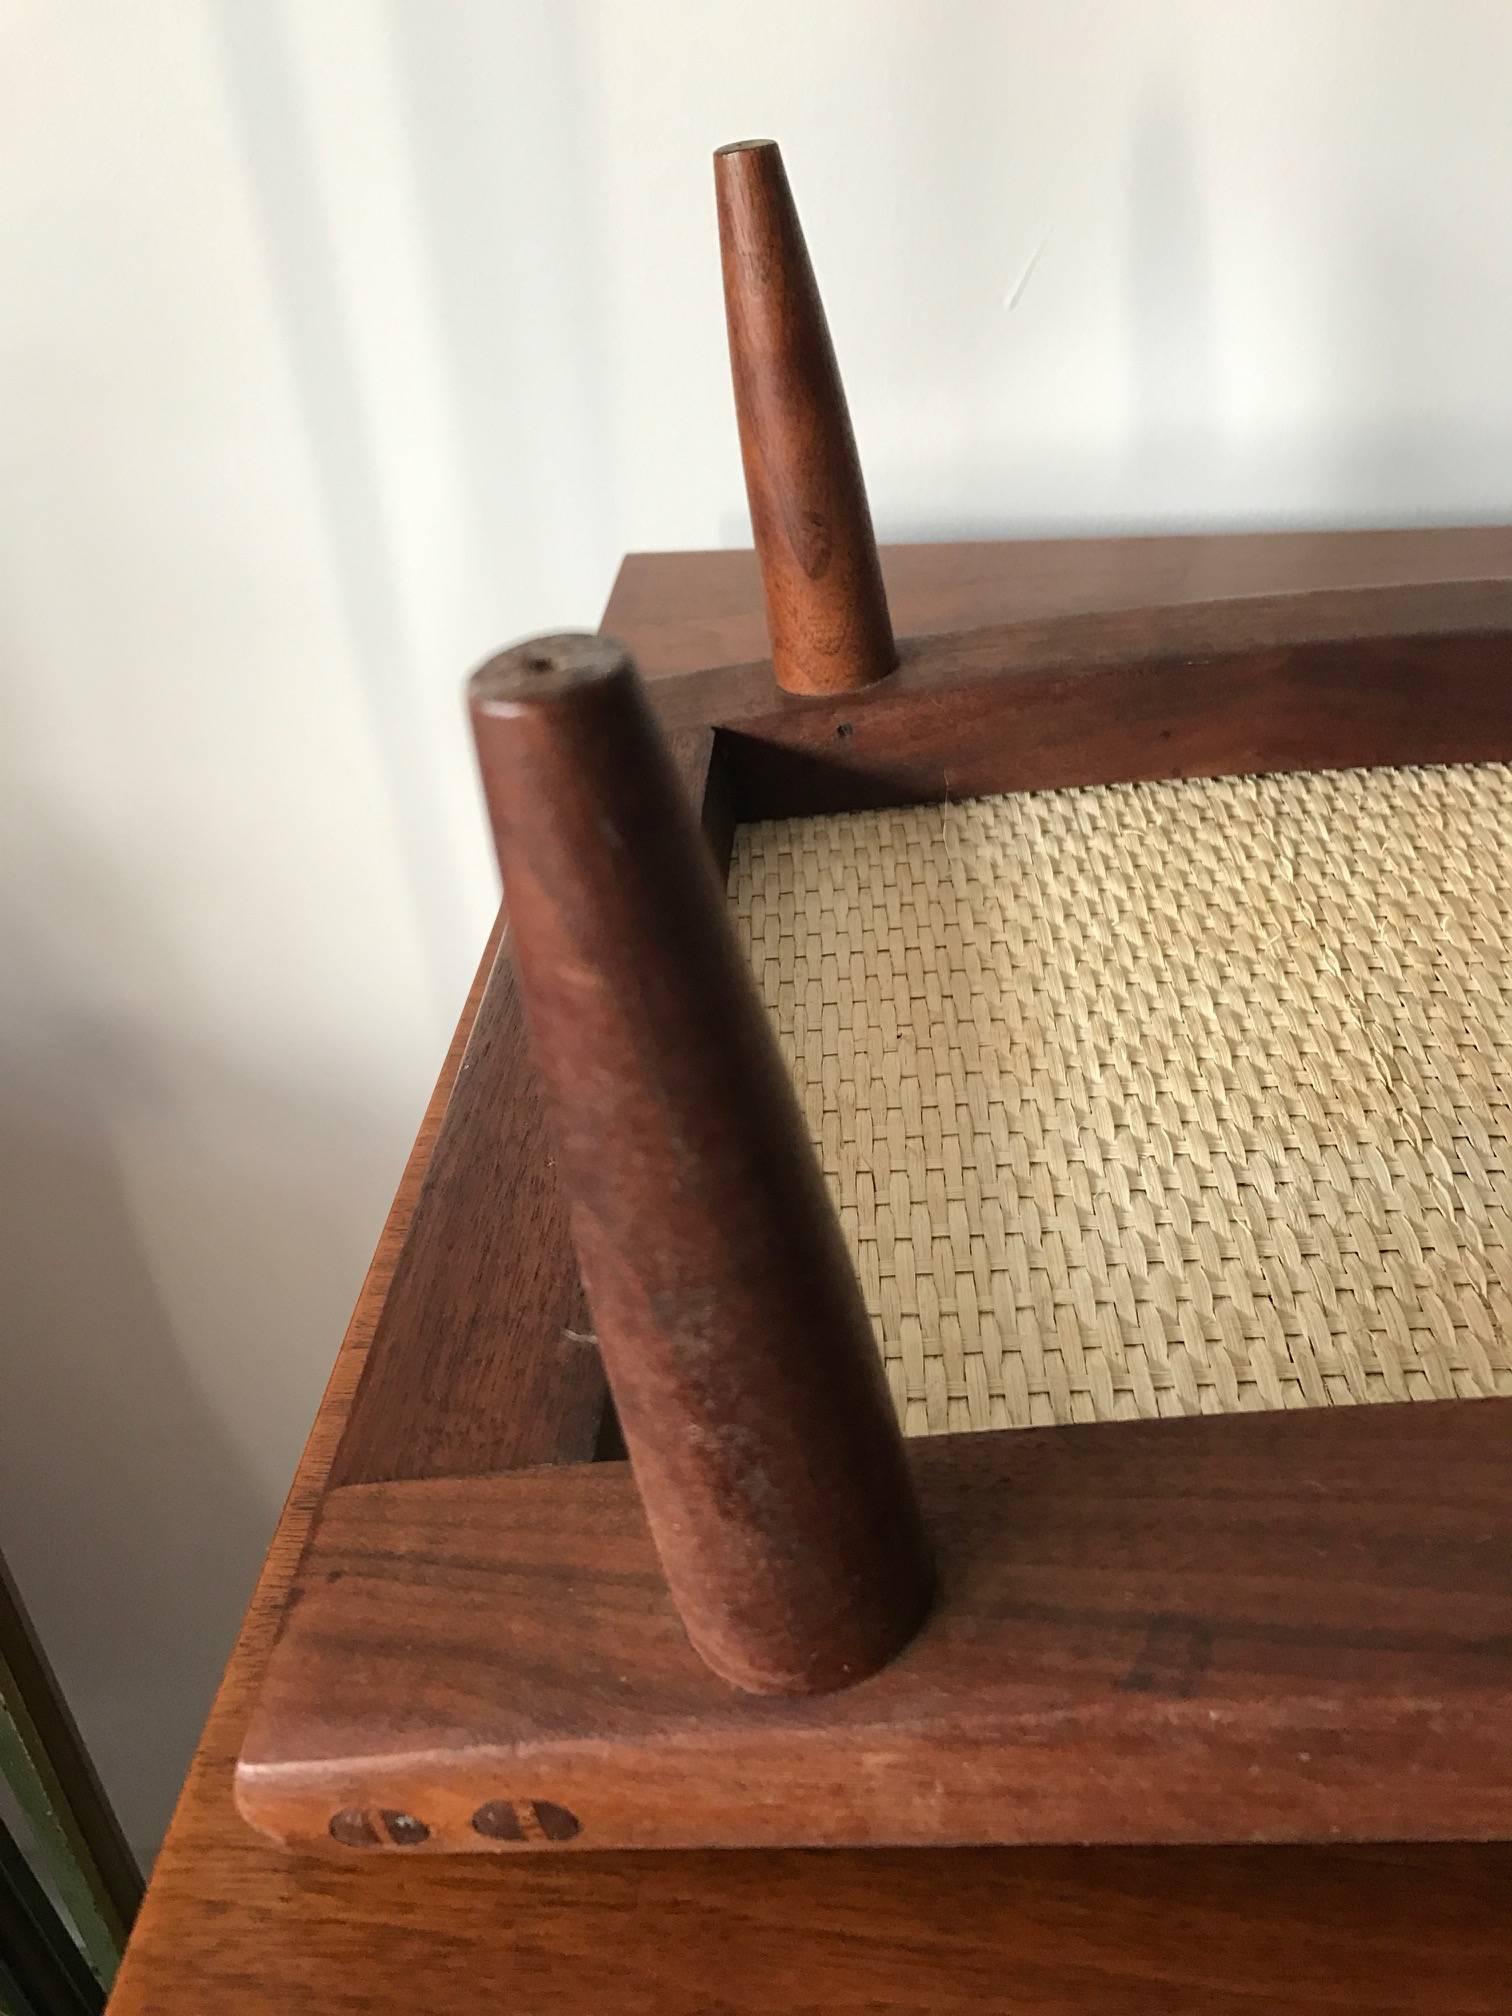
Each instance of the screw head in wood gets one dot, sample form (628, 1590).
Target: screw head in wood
(377, 1827)
(525, 1820)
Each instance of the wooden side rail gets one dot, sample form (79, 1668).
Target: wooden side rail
(1263, 1627)
(1320, 679)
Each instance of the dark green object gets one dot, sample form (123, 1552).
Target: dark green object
(42, 1971)
(79, 1845)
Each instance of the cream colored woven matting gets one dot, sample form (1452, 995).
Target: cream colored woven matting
(1159, 1099)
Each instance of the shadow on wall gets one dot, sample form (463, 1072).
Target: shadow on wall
(1388, 446)
(131, 1520)
(517, 287)
(133, 1516)
(1174, 376)
(272, 128)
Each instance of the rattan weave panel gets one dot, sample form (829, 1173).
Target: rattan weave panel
(1160, 1098)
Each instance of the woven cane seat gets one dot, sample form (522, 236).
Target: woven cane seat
(1159, 1099)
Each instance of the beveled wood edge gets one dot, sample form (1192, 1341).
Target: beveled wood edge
(1312, 679)
(683, 612)
(1281, 1627)
(743, 696)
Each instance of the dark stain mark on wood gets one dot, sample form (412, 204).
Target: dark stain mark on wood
(1173, 1658)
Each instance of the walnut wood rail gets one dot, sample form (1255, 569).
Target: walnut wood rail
(1319, 680)
(1267, 1628)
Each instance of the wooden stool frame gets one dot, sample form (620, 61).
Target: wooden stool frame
(1286, 1628)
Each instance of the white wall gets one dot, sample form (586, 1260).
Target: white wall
(344, 339)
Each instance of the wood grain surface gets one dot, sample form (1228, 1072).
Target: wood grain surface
(685, 612)
(1319, 680)
(826, 610)
(1232, 1628)
(483, 1355)
(232, 1923)
(728, 1314)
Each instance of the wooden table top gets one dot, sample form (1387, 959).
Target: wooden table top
(233, 1924)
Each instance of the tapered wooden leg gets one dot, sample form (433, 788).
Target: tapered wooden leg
(733, 1331)
(826, 608)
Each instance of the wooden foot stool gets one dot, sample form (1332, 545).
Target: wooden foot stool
(1008, 1130)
